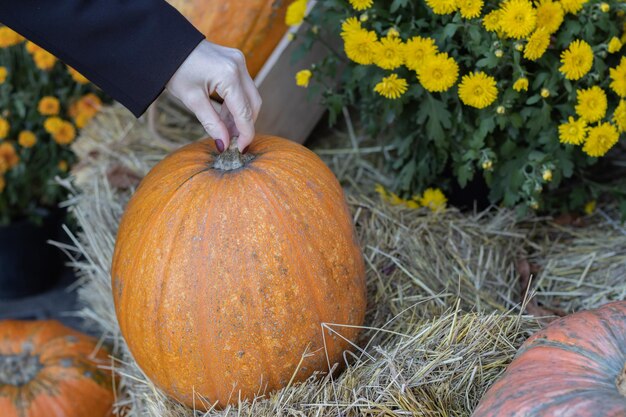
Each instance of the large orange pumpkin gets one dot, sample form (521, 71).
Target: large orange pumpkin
(573, 368)
(49, 370)
(226, 268)
(253, 26)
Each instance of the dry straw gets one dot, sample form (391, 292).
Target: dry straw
(444, 315)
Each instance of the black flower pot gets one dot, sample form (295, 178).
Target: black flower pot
(28, 264)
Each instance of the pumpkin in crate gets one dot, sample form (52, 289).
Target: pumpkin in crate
(575, 367)
(234, 273)
(253, 26)
(49, 370)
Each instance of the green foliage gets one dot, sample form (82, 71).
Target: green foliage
(513, 143)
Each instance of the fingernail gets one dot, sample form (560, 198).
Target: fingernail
(220, 145)
(245, 150)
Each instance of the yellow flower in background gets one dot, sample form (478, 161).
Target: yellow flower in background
(434, 199)
(416, 50)
(605, 7)
(518, 18)
(391, 87)
(521, 84)
(470, 9)
(49, 106)
(501, 110)
(389, 53)
(303, 77)
(5, 127)
(350, 25)
(8, 157)
(601, 139)
(359, 46)
(547, 175)
(3, 184)
(574, 132)
(590, 207)
(614, 45)
(89, 104)
(577, 60)
(478, 90)
(33, 47)
(52, 124)
(64, 134)
(63, 165)
(439, 73)
(361, 4)
(9, 37)
(545, 93)
(491, 21)
(44, 60)
(499, 53)
(591, 104)
(550, 15)
(618, 78)
(3, 74)
(442, 6)
(619, 116)
(393, 33)
(295, 13)
(26, 139)
(394, 199)
(537, 44)
(572, 6)
(77, 76)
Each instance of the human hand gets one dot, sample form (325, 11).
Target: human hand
(213, 68)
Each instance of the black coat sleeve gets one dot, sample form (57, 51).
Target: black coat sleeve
(128, 48)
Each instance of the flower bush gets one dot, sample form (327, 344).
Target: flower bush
(43, 104)
(529, 95)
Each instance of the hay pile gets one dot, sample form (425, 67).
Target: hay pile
(444, 316)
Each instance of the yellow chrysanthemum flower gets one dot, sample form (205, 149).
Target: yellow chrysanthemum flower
(439, 73)
(44, 60)
(550, 15)
(303, 77)
(537, 44)
(295, 13)
(605, 7)
(442, 6)
(470, 9)
(614, 45)
(572, 6)
(89, 104)
(52, 124)
(350, 25)
(491, 21)
(9, 37)
(8, 156)
(389, 53)
(361, 4)
(77, 76)
(359, 46)
(619, 116)
(391, 87)
(574, 132)
(577, 60)
(518, 18)
(618, 78)
(545, 93)
(434, 199)
(63, 165)
(547, 175)
(416, 50)
(591, 104)
(478, 90)
(601, 139)
(65, 133)
(590, 207)
(521, 84)
(26, 139)
(49, 106)
(3, 74)
(5, 127)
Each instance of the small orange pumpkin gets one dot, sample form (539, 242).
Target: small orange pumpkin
(573, 368)
(253, 26)
(227, 267)
(49, 370)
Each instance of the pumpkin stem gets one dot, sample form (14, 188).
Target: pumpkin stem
(19, 369)
(231, 158)
(620, 381)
